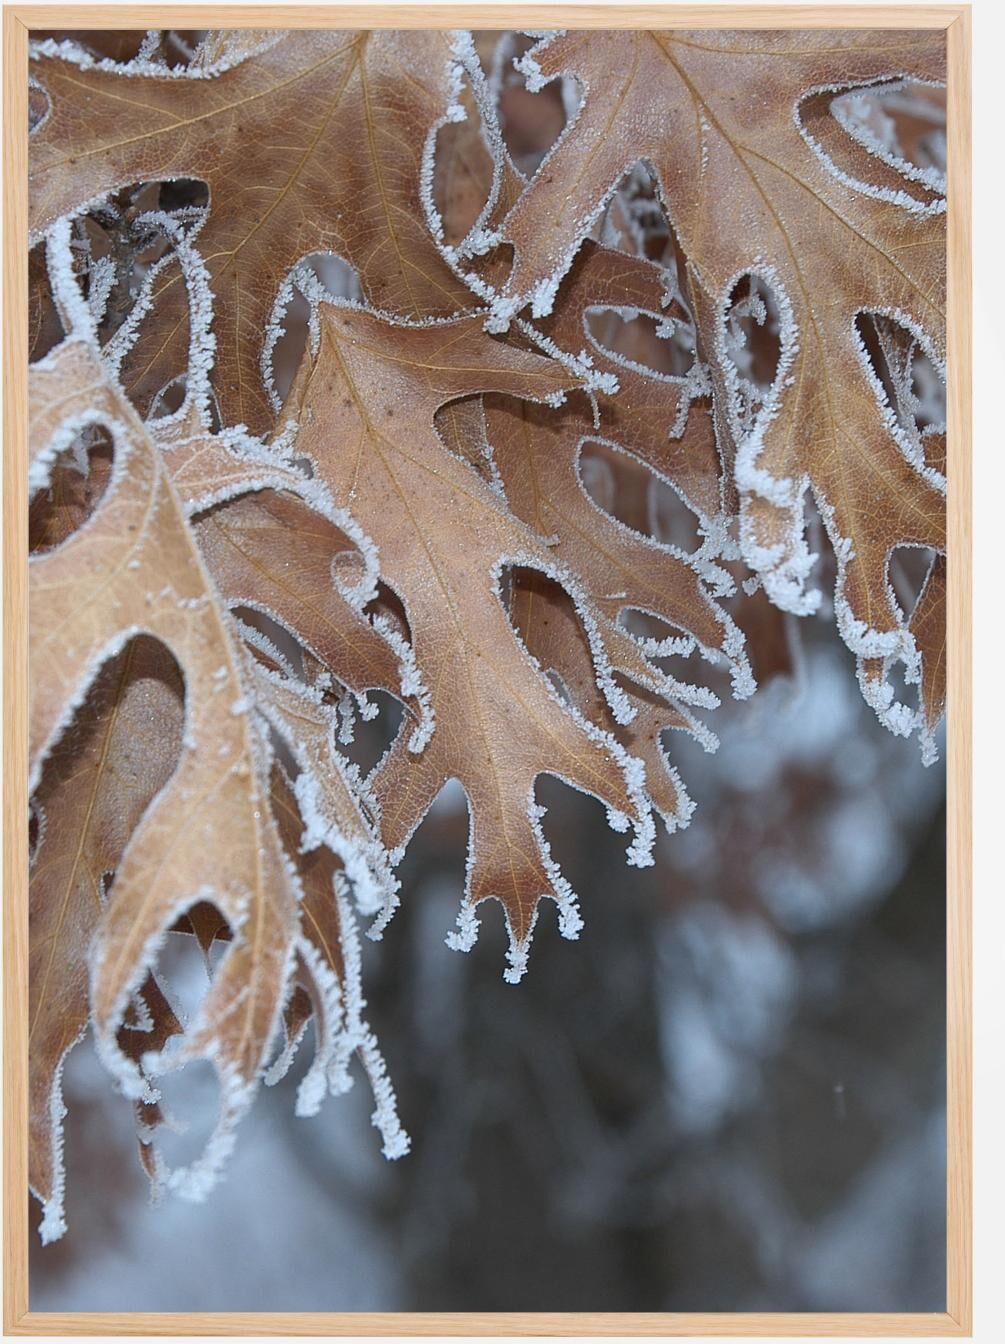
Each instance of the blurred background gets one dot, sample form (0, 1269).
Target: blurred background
(728, 1095)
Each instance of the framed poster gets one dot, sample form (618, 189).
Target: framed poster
(429, 434)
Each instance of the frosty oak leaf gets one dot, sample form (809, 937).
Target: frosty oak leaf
(757, 177)
(311, 144)
(365, 407)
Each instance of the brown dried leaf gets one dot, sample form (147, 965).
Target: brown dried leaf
(313, 144)
(365, 408)
(751, 188)
(118, 752)
(134, 566)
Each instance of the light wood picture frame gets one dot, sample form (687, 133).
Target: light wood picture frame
(19, 1319)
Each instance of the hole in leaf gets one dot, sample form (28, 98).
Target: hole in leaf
(912, 383)
(315, 277)
(190, 1103)
(462, 170)
(657, 345)
(597, 473)
(680, 656)
(182, 967)
(339, 278)
(772, 637)
(289, 349)
(113, 44)
(908, 569)
(754, 331)
(205, 923)
(183, 193)
(77, 482)
(45, 330)
(670, 519)
(179, 46)
(906, 119)
(823, 572)
(753, 345)
(567, 816)
(869, 140)
(278, 648)
(636, 222)
(532, 122)
(625, 488)
(186, 964)
(389, 605)
(644, 625)
(170, 47)
(904, 693)
(34, 830)
(115, 248)
(372, 737)
(39, 106)
(545, 620)
(169, 399)
(928, 393)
